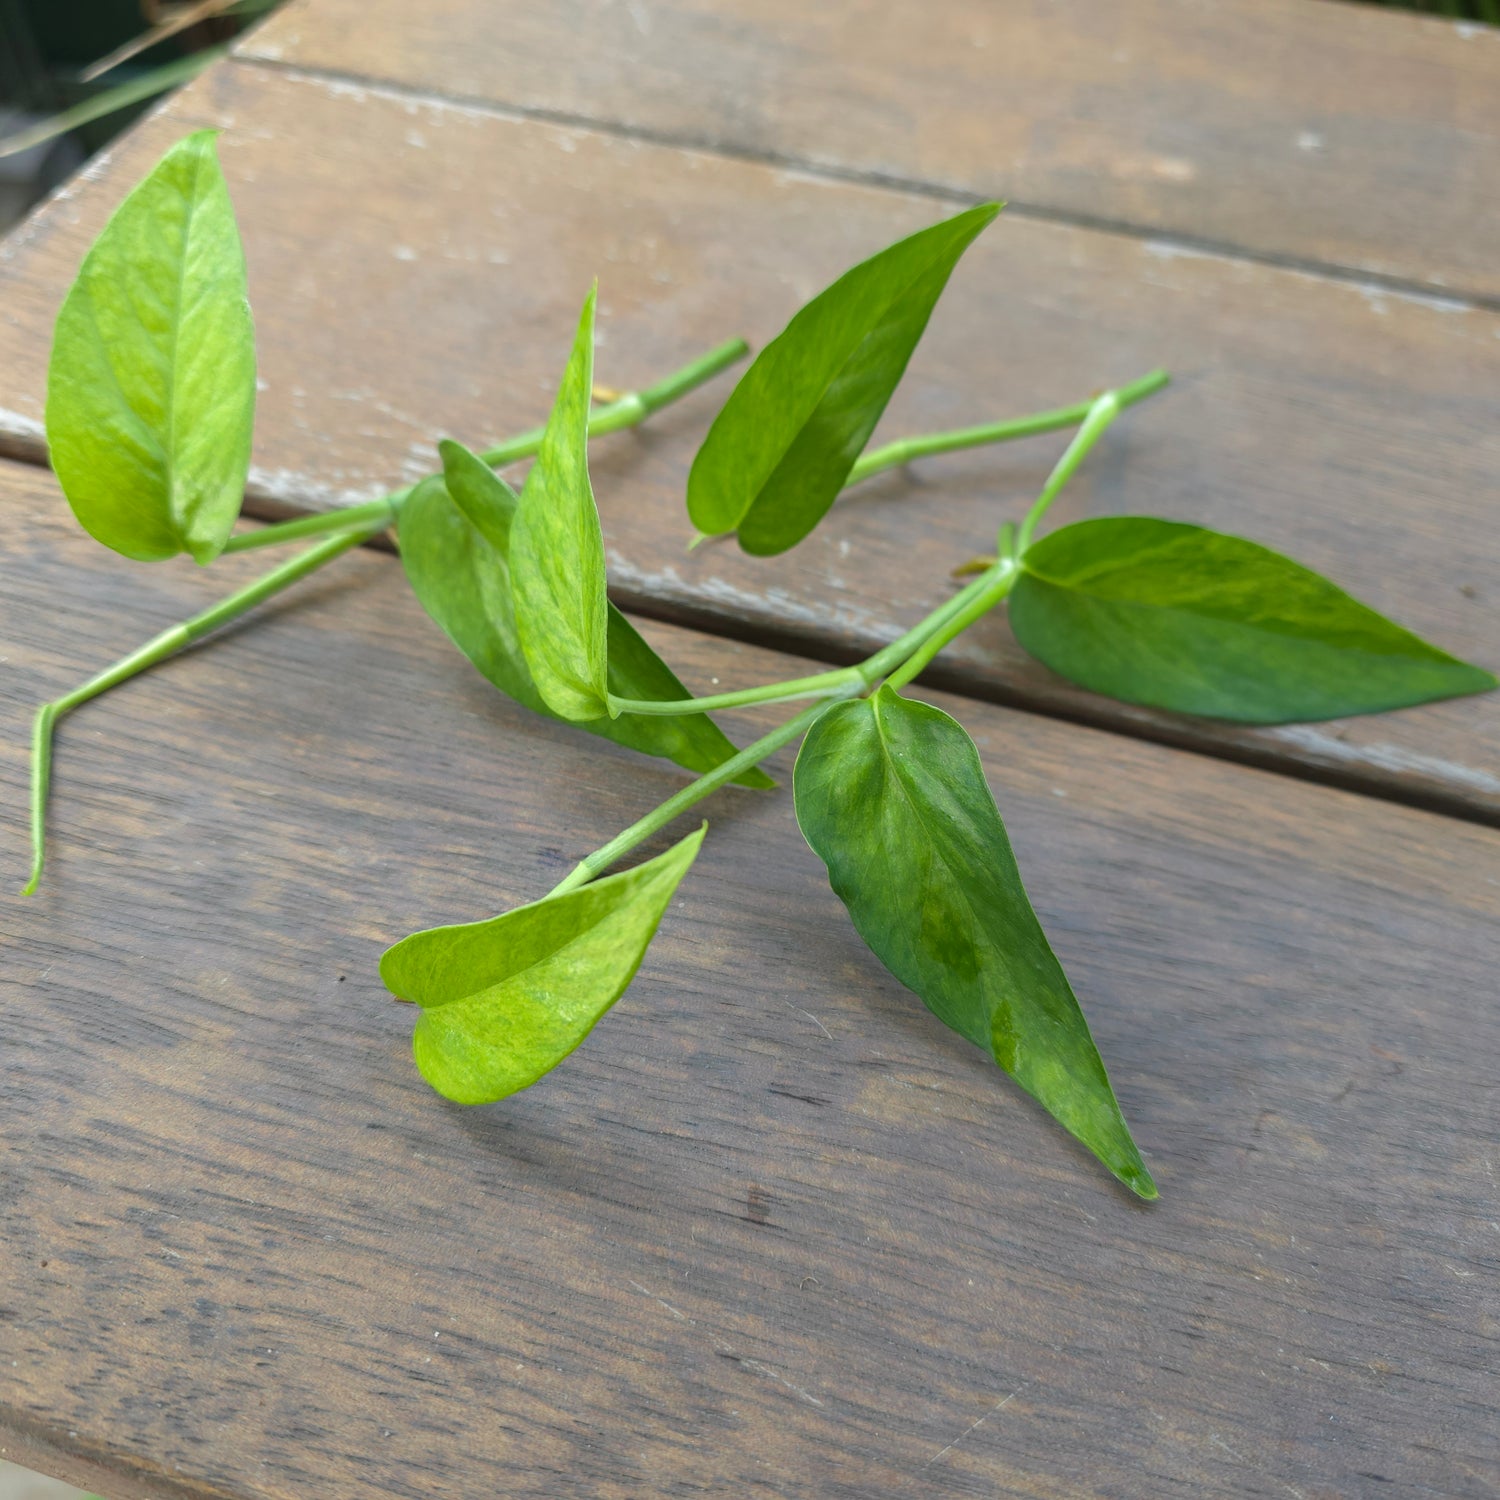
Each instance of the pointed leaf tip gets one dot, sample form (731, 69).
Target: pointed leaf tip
(1183, 618)
(557, 552)
(783, 445)
(891, 795)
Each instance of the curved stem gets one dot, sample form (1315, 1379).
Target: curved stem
(159, 647)
(350, 526)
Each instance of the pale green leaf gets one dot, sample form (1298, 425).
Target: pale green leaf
(504, 1001)
(151, 387)
(455, 545)
(557, 552)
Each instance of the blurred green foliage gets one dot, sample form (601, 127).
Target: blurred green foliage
(1456, 10)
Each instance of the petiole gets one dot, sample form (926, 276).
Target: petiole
(836, 684)
(346, 518)
(622, 843)
(904, 450)
(1101, 413)
(941, 625)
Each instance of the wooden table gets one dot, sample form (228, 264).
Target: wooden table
(773, 1230)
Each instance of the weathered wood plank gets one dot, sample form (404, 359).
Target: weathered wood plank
(771, 1230)
(416, 270)
(1349, 136)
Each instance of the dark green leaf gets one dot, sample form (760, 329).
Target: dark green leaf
(779, 452)
(455, 544)
(504, 1001)
(891, 796)
(1180, 617)
(151, 388)
(557, 552)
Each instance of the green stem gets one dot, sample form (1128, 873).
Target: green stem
(904, 450)
(632, 408)
(819, 685)
(159, 647)
(903, 659)
(643, 828)
(346, 518)
(833, 684)
(1000, 581)
(852, 682)
(923, 446)
(1100, 415)
(627, 411)
(978, 597)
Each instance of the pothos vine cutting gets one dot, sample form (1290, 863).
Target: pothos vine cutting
(150, 406)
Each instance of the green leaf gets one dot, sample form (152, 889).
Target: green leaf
(557, 552)
(1179, 617)
(891, 796)
(151, 388)
(455, 544)
(504, 1001)
(781, 449)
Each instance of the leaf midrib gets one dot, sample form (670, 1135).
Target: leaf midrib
(1426, 654)
(176, 336)
(627, 898)
(924, 823)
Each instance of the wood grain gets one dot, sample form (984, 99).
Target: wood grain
(1363, 139)
(416, 270)
(772, 1230)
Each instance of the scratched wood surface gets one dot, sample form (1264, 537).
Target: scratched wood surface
(416, 269)
(1314, 132)
(772, 1230)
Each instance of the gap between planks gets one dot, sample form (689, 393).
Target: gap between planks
(1184, 734)
(937, 192)
(1360, 774)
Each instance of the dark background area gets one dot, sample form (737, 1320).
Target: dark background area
(47, 51)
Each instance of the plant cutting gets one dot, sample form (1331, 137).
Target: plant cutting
(149, 414)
